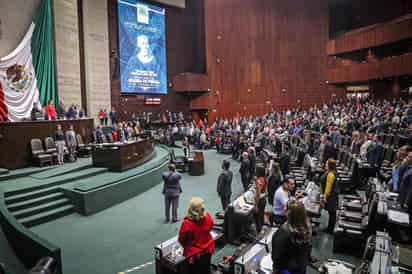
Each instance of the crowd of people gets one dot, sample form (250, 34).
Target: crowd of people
(59, 112)
(363, 121)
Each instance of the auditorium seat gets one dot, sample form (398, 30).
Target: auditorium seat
(179, 161)
(51, 149)
(109, 138)
(39, 155)
(49, 145)
(83, 149)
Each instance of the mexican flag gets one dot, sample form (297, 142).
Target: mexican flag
(27, 75)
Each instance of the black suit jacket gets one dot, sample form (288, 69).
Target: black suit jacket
(224, 183)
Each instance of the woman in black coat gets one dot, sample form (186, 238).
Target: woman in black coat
(291, 244)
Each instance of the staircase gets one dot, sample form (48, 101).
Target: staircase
(3, 171)
(45, 202)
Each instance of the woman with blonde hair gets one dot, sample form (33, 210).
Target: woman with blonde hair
(195, 238)
(291, 244)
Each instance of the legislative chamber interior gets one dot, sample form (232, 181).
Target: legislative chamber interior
(205, 136)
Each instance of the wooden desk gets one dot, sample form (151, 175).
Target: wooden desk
(15, 138)
(197, 164)
(122, 156)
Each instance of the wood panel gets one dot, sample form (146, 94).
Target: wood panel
(186, 82)
(264, 54)
(351, 14)
(185, 53)
(372, 36)
(121, 157)
(15, 138)
(388, 67)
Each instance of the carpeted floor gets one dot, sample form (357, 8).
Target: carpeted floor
(122, 237)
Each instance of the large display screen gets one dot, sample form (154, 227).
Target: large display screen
(142, 48)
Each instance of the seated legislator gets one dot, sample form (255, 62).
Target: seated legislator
(195, 238)
(282, 196)
(35, 112)
(50, 111)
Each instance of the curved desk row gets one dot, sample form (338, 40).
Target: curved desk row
(122, 156)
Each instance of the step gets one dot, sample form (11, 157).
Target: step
(24, 213)
(3, 171)
(47, 216)
(58, 180)
(34, 202)
(63, 170)
(24, 172)
(31, 195)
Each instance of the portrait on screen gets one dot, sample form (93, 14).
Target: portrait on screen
(145, 53)
(142, 48)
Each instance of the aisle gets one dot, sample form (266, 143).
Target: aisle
(122, 237)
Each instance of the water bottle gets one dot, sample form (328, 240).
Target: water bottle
(396, 254)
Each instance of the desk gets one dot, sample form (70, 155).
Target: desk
(197, 164)
(257, 257)
(15, 138)
(122, 156)
(169, 255)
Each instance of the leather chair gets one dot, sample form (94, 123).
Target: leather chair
(38, 153)
(180, 161)
(353, 227)
(109, 138)
(83, 149)
(50, 148)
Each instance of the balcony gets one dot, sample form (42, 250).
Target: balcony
(388, 67)
(372, 36)
(191, 83)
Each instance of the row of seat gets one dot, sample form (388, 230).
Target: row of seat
(47, 154)
(355, 220)
(392, 140)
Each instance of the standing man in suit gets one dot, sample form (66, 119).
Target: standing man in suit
(171, 190)
(224, 184)
(71, 142)
(245, 170)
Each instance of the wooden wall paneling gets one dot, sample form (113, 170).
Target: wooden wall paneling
(261, 50)
(16, 138)
(388, 67)
(407, 63)
(371, 37)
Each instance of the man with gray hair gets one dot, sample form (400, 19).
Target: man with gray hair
(171, 190)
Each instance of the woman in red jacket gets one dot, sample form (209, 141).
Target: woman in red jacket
(50, 111)
(195, 238)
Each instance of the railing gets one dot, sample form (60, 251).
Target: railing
(388, 67)
(372, 36)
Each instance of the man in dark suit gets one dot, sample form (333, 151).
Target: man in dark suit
(224, 184)
(171, 191)
(245, 170)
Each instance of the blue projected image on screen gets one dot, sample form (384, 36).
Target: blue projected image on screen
(142, 48)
